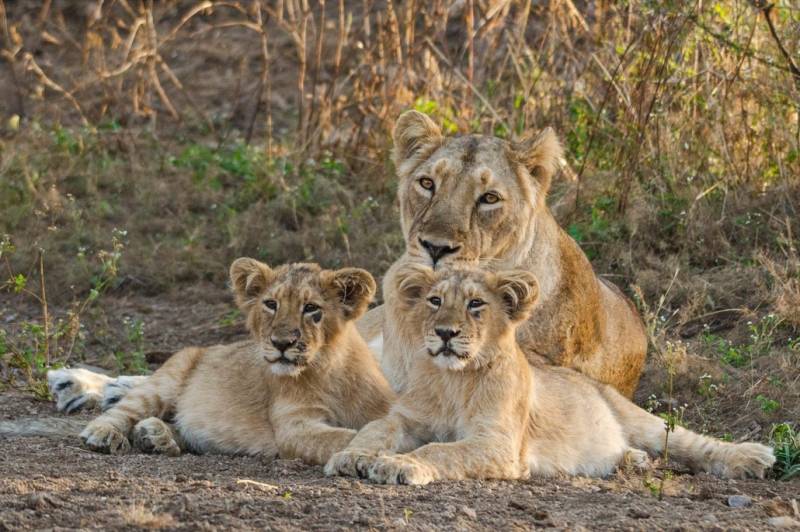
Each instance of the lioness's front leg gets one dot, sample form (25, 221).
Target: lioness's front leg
(389, 434)
(476, 457)
(303, 433)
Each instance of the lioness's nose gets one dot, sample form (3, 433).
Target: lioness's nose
(437, 251)
(446, 334)
(282, 344)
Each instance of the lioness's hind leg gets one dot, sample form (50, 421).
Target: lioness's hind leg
(153, 435)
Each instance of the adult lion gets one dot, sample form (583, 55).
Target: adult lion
(480, 199)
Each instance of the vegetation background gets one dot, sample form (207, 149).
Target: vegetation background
(144, 145)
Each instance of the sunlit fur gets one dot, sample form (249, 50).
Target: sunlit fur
(482, 411)
(245, 398)
(582, 322)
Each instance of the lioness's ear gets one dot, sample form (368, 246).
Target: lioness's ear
(413, 281)
(541, 155)
(412, 132)
(353, 287)
(519, 290)
(249, 278)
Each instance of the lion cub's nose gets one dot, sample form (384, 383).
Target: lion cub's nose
(447, 334)
(437, 251)
(282, 344)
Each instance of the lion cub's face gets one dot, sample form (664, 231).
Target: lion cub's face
(295, 311)
(471, 198)
(463, 313)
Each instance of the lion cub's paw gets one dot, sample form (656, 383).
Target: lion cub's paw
(401, 469)
(637, 460)
(75, 389)
(349, 463)
(152, 435)
(743, 460)
(105, 438)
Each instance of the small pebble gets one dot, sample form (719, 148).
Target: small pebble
(739, 501)
(783, 521)
(469, 512)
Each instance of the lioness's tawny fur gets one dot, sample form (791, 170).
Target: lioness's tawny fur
(475, 408)
(299, 388)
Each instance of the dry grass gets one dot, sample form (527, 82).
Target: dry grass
(139, 516)
(210, 130)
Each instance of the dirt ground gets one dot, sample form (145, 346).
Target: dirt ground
(47, 483)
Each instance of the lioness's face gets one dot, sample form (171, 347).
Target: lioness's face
(295, 311)
(464, 312)
(470, 198)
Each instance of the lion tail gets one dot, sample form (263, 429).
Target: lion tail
(49, 426)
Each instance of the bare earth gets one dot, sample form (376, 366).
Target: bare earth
(47, 483)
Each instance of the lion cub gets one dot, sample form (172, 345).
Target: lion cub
(297, 389)
(475, 408)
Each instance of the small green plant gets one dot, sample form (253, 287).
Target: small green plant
(786, 442)
(706, 387)
(407, 513)
(768, 406)
(133, 361)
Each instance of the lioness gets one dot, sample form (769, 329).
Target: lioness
(475, 408)
(299, 388)
(477, 199)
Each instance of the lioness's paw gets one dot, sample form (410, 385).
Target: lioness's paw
(349, 463)
(152, 435)
(743, 460)
(105, 438)
(401, 469)
(75, 389)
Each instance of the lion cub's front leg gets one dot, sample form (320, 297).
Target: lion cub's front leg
(304, 433)
(390, 434)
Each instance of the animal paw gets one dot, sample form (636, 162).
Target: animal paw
(105, 438)
(75, 389)
(349, 463)
(637, 460)
(743, 460)
(152, 435)
(401, 469)
(116, 389)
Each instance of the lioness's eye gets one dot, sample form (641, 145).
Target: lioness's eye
(427, 183)
(489, 198)
(271, 304)
(435, 301)
(475, 303)
(310, 308)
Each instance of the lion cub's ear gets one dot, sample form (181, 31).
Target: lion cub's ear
(249, 279)
(353, 287)
(541, 155)
(519, 290)
(413, 132)
(413, 281)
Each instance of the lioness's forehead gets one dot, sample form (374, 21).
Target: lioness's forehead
(461, 155)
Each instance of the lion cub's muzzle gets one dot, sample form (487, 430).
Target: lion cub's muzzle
(447, 347)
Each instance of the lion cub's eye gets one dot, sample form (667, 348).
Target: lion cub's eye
(310, 308)
(427, 183)
(490, 198)
(271, 304)
(475, 304)
(435, 301)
